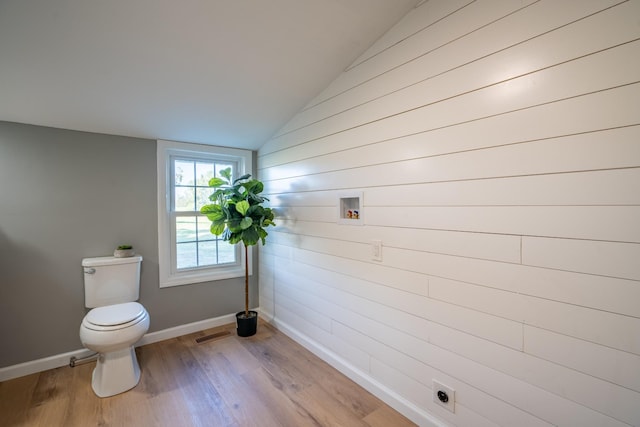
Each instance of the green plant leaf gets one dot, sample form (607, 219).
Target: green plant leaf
(263, 234)
(217, 229)
(258, 188)
(226, 173)
(243, 177)
(250, 236)
(242, 207)
(216, 219)
(235, 238)
(211, 209)
(246, 223)
(217, 182)
(251, 185)
(255, 211)
(234, 225)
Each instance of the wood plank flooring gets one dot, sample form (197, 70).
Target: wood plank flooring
(264, 380)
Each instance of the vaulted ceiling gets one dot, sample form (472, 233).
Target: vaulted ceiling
(222, 72)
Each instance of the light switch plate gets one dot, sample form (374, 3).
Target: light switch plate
(376, 250)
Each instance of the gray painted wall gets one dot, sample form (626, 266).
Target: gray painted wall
(67, 195)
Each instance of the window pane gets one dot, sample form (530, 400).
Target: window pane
(185, 229)
(184, 199)
(204, 172)
(226, 252)
(204, 229)
(183, 172)
(186, 255)
(203, 196)
(207, 253)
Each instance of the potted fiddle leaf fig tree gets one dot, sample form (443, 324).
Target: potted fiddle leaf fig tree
(238, 215)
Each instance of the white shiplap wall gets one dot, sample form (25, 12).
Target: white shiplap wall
(497, 147)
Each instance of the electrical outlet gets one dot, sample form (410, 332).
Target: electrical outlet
(444, 396)
(376, 250)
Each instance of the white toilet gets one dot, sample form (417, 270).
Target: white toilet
(116, 322)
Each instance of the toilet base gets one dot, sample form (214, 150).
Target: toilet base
(115, 372)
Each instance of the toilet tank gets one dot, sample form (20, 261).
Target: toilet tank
(109, 280)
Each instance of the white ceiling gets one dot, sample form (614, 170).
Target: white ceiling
(222, 72)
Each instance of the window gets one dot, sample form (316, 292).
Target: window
(188, 252)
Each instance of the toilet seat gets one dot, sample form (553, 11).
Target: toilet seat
(115, 317)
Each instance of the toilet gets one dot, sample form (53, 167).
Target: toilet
(115, 323)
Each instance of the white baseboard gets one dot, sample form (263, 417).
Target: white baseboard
(189, 328)
(391, 398)
(55, 361)
(33, 366)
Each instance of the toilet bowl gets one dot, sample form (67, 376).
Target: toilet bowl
(112, 331)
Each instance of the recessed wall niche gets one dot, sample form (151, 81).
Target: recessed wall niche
(350, 208)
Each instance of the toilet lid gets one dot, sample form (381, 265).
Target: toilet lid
(117, 314)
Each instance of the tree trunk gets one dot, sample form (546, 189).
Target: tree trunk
(246, 281)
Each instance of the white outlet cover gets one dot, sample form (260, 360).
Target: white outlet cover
(450, 404)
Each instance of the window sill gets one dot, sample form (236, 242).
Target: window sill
(190, 278)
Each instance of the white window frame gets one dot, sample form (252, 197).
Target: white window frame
(166, 246)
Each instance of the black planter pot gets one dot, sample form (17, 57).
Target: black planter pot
(246, 326)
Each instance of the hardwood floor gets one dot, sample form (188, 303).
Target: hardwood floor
(264, 380)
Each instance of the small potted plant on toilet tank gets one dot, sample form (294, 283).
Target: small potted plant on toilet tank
(237, 213)
(124, 251)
